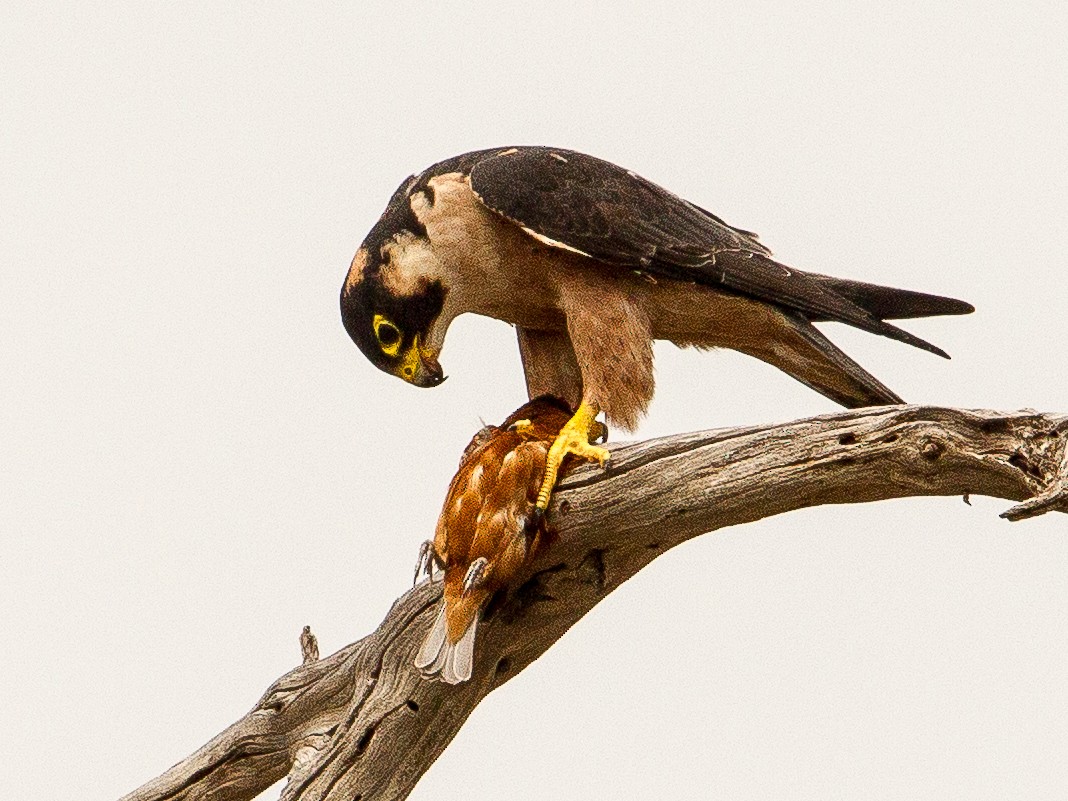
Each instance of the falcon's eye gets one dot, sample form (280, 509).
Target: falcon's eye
(389, 336)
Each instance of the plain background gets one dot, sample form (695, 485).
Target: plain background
(195, 461)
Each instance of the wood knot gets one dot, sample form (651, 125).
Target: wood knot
(1020, 461)
(931, 450)
(594, 563)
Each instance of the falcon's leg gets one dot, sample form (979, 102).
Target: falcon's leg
(574, 438)
(549, 365)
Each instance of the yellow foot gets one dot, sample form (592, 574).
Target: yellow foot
(574, 438)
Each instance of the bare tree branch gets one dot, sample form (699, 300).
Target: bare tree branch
(362, 723)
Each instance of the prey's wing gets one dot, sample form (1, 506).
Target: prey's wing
(501, 529)
(591, 206)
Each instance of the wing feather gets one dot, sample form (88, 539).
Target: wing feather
(596, 208)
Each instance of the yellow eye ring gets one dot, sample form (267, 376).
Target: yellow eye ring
(388, 335)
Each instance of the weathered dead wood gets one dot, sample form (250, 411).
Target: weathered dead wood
(362, 724)
(309, 646)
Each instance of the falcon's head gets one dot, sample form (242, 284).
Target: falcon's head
(393, 297)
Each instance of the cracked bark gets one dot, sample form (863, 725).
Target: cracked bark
(362, 723)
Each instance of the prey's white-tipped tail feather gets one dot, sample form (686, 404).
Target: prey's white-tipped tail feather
(432, 645)
(438, 656)
(460, 658)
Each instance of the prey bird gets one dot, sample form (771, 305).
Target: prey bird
(591, 263)
(489, 528)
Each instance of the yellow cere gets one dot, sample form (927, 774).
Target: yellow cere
(410, 363)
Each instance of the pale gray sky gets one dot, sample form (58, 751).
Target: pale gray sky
(195, 461)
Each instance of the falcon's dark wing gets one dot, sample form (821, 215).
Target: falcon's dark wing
(589, 205)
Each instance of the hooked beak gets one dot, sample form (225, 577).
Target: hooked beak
(421, 367)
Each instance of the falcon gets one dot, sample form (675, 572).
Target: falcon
(488, 529)
(591, 263)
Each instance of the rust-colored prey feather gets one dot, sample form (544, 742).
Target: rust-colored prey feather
(489, 521)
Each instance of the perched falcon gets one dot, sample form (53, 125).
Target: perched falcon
(591, 263)
(488, 528)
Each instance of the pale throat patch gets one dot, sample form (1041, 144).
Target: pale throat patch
(412, 263)
(461, 229)
(456, 197)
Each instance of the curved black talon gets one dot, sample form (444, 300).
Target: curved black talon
(534, 519)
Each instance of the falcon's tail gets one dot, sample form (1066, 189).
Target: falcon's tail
(820, 297)
(453, 661)
(888, 303)
(807, 355)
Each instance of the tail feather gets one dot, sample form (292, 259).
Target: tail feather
(818, 298)
(432, 646)
(818, 363)
(888, 303)
(460, 658)
(453, 661)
